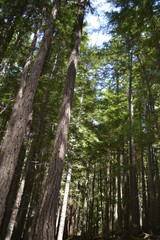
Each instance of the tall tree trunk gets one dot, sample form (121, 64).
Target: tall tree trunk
(126, 195)
(111, 197)
(30, 173)
(119, 192)
(35, 202)
(47, 217)
(85, 208)
(97, 209)
(107, 203)
(14, 189)
(157, 181)
(145, 216)
(58, 216)
(133, 171)
(21, 114)
(101, 195)
(91, 229)
(152, 194)
(71, 219)
(15, 211)
(64, 206)
(77, 213)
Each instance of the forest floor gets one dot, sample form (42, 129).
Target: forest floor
(143, 236)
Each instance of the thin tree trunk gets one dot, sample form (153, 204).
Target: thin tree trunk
(126, 197)
(45, 229)
(91, 212)
(133, 171)
(107, 204)
(64, 206)
(97, 208)
(152, 194)
(35, 201)
(15, 211)
(157, 181)
(119, 193)
(113, 190)
(58, 217)
(85, 206)
(77, 213)
(145, 217)
(101, 195)
(12, 195)
(21, 114)
(71, 219)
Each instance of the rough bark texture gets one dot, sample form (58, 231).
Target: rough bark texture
(21, 114)
(30, 174)
(11, 197)
(14, 188)
(47, 218)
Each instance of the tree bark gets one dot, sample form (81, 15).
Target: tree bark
(157, 181)
(20, 116)
(47, 217)
(91, 229)
(145, 216)
(97, 209)
(85, 208)
(101, 195)
(126, 195)
(30, 173)
(152, 194)
(64, 206)
(133, 171)
(14, 189)
(119, 210)
(77, 213)
(107, 203)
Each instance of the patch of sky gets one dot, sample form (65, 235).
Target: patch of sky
(97, 23)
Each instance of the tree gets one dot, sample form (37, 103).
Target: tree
(47, 217)
(21, 114)
(64, 206)
(112, 136)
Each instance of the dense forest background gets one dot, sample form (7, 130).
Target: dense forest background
(88, 166)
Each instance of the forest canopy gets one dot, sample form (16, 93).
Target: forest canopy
(79, 122)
